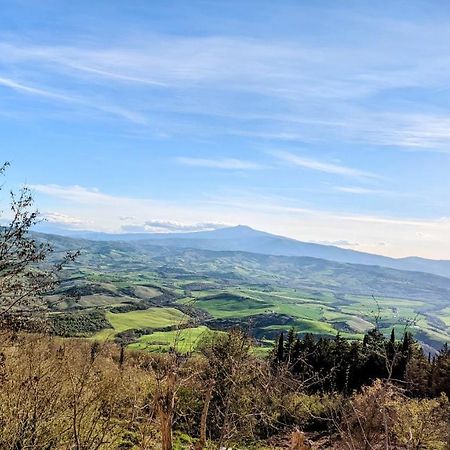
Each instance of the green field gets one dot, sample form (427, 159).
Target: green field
(309, 316)
(149, 318)
(229, 305)
(444, 315)
(185, 340)
(249, 303)
(351, 315)
(306, 326)
(325, 315)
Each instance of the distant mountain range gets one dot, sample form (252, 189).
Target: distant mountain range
(246, 239)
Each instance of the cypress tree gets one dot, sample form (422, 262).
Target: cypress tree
(392, 340)
(122, 356)
(289, 345)
(280, 348)
(406, 350)
(391, 347)
(295, 361)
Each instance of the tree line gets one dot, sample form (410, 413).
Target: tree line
(339, 365)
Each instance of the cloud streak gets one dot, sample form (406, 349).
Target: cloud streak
(43, 92)
(320, 166)
(77, 194)
(23, 88)
(220, 163)
(358, 190)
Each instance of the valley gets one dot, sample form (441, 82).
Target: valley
(152, 296)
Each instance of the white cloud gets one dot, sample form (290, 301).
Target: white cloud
(65, 220)
(166, 226)
(408, 130)
(221, 163)
(320, 166)
(127, 218)
(405, 130)
(339, 243)
(114, 213)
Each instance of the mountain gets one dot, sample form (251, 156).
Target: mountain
(243, 238)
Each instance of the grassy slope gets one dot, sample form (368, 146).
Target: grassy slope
(445, 316)
(185, 340)
(149, 318)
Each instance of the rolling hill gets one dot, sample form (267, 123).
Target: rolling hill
(243, 238)
(132, 284)
(168, 256)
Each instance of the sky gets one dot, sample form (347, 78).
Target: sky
(324, 121)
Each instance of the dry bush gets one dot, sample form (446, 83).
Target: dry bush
(423, 423)
(368, 419)
(69, 394)
(382, 417)
(32, 400)
(241, 389)
(310, 410)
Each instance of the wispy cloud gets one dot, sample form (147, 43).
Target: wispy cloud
(405, 130)
(220, 163)
(77, 194)
(80, 101)
(20, 87)
(277, 206)
(365, 191)
(326, 90)
(320, 166)
(115, 75)
(412, 131)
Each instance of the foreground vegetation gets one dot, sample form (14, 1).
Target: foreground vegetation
(78, 394)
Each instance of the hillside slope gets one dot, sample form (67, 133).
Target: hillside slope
(168, 256)
(219, 289)
(243, 238)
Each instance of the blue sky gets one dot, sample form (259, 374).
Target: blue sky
(326, 121)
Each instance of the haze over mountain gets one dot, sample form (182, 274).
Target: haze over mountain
(244, 238)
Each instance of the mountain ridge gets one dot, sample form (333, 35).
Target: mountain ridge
(245, 238)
